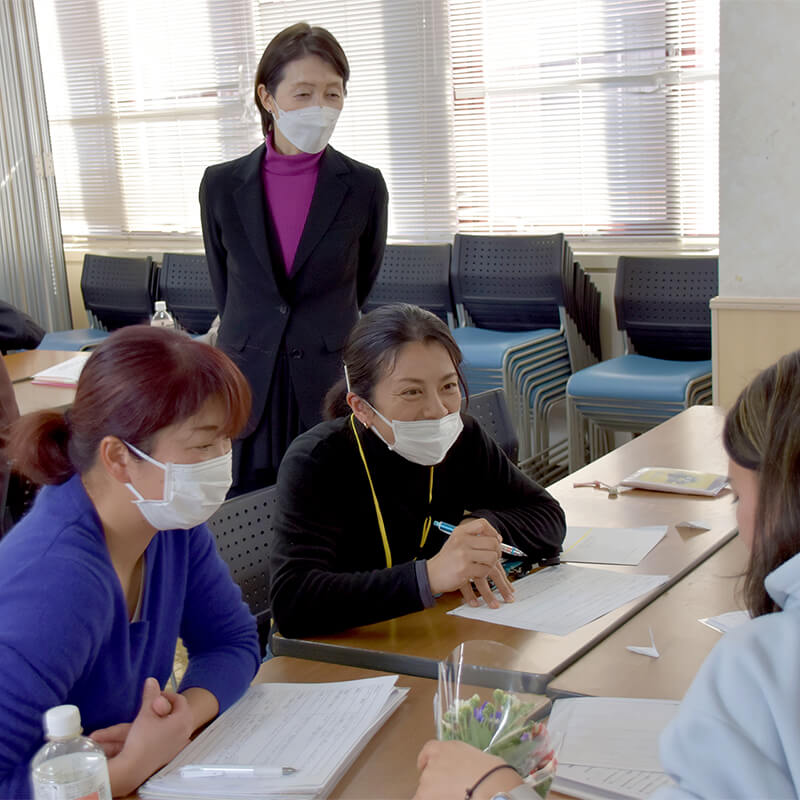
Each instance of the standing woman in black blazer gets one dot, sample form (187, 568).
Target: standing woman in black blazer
(294, 235)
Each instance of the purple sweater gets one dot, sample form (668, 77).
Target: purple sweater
(289, 183)
(65, 636)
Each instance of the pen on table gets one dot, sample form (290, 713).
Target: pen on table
(446, 527)
(233, 771)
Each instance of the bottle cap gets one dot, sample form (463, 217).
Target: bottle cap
(63, 721)
(161, 305)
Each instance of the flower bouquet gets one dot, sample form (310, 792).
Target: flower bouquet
(497, 721)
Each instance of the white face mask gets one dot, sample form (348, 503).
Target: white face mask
(423, 441)
(192, 492)
(308, 129)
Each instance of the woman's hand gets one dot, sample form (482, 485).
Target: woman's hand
(470, 554)
(150, 741)
(112, 739)
(450, 768)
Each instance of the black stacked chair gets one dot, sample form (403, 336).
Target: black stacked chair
(415, 273)
(116, 292)
(185, 286)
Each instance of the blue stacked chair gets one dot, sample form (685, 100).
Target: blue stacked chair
(185, 286)
(415, 273)
(662, 305)
(508, 292)
(116, 292)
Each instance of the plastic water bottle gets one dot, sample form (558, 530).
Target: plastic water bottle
(162, 318)
(69, 766)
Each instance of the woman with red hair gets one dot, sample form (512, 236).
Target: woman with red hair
(114, 561)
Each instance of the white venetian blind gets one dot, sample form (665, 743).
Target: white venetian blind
(142, 96)
(592, 117)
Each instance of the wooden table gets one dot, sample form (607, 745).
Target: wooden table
(35, 397)
(610, 670)
(413, 644)
(387, 767)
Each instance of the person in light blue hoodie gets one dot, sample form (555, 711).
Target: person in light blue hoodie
(737, 733)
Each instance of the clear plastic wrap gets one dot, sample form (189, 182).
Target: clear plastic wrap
(480, 700)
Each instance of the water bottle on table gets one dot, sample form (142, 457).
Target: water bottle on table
(162, 318)
(69, 766)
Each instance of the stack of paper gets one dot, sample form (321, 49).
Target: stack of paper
(64, 374)
(317, 728)
(609, 746)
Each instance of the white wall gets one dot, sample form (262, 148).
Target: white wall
(759, 148)
(755, 320)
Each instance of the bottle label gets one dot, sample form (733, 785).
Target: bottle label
(163, 323)
(68, 792)
(70, 777)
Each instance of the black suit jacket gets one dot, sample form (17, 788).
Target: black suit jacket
(338, 258)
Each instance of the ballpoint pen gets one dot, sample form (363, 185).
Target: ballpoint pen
(233, 771)
(446, 527)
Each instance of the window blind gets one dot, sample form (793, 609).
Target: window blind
(142, 97)
(598, 118)
(592, 117)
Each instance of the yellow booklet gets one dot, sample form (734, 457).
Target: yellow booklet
(682, 481)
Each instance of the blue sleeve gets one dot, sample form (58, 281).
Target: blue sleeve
(217, 627)
(44, 648)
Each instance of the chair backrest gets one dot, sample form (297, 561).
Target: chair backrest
(663, 305)
(508, 283)
(414, 273)
(491, 411)
(185, 286)
(243, 529)
(117, 291)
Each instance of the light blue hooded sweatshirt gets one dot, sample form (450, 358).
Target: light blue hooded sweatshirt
(737, 733)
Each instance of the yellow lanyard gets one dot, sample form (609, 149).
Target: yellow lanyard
(426, 525)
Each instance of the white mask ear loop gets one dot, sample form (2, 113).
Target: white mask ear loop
(347, 384)
(131, 488)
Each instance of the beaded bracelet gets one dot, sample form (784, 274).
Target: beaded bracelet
(468, 794)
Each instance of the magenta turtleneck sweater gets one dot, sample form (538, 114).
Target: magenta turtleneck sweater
(289, 183)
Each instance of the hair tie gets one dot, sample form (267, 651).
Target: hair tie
(468, 794)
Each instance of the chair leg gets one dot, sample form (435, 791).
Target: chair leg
(577, 436)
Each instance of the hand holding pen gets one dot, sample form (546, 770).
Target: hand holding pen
(468, 559)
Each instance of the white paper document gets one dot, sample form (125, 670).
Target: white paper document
(725, 622)
(561, 599)
(609, 745)
(594, 545)
(64, 374)
(317, 728)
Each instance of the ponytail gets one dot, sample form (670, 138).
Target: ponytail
(38, 447)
